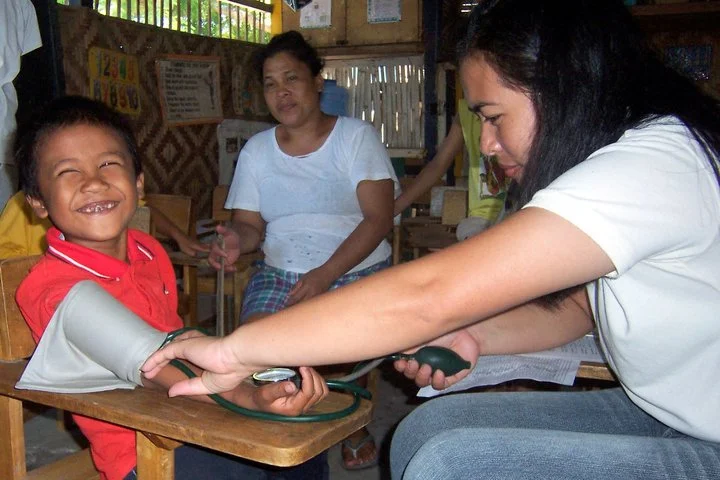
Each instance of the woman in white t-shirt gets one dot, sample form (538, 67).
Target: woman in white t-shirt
(616, 157)
(316, 192)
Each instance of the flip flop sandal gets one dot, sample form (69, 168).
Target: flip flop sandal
(347, 443)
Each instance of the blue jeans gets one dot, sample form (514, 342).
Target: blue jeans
(545, 435)
(196, 463)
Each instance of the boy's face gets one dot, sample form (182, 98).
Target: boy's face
(88, 186)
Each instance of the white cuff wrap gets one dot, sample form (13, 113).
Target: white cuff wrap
(92, 343)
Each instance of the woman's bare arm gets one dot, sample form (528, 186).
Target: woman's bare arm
(530, 254)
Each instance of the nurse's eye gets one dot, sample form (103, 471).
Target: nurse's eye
(492, 120)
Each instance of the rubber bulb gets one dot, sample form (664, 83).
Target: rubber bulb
(441, 358)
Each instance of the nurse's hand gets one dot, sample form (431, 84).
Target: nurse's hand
(223, 371)
(461, 342)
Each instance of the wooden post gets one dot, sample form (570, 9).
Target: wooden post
(154, 462)
(12, 439)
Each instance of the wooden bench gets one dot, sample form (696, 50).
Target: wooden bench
(161, 423)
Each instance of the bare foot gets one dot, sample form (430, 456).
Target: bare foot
(359, 450)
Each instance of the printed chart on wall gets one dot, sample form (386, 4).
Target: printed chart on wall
(247, 94)
(316, 15)
(114, 79)
(383, 11)
(189, 89)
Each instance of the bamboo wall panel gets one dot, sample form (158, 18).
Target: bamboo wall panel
(178, 160)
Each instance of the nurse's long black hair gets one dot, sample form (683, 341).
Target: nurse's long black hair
(590, 75)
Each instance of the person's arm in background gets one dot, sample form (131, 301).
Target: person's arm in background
(451, 146)
(376, 203)
(243, 235)
(165, 226)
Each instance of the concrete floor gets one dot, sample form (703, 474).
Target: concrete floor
(395, 399)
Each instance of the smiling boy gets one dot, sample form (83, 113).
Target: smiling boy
(80, 167)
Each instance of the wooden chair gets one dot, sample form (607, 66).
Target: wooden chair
(162, 424)
(179, 210)
(141, 220)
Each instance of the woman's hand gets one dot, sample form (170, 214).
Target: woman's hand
(311, 284)
(223, 371)
(190, 246)
(230, 251)
(244, 235)
(285, 398)
(461, 342)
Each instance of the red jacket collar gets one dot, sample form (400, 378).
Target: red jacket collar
(99, 264)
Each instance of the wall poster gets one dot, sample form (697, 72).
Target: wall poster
(247, 93)
(316, 15)
(383, 11)
(189, 89)
(114, 79)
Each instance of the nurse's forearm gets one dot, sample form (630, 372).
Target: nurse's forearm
(533, 328)
(418, 301)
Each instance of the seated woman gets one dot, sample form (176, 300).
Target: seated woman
(317, 191)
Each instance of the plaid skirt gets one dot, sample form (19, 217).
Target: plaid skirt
(268, 289)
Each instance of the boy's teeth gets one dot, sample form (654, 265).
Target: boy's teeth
(98, 207)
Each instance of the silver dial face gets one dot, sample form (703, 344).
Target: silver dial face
(272, 375)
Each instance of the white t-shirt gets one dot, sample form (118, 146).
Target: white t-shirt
(19, 34)
(310, 203)
(652, 203)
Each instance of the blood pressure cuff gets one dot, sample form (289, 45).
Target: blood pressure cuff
(93, 343)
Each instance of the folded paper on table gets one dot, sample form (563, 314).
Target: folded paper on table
(558, 365)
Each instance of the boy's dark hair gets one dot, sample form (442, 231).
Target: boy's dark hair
(59, 113)
(293, 43)
(590, 75)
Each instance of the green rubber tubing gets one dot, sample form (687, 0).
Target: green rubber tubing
(439, 358)
(357, 392)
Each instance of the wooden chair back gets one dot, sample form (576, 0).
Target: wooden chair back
(219, 212)
(16, 342)
(178, 208)
(141, 219)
